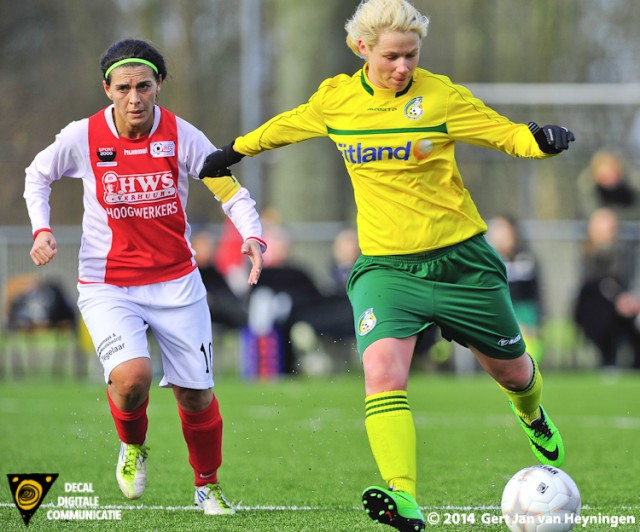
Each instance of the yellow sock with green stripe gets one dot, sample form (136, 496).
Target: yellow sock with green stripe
(392, 437)
(527, 401)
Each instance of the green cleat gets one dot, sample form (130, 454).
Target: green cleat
(394, 508)
(546, 442)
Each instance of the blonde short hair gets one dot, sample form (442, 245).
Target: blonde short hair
(372, 17)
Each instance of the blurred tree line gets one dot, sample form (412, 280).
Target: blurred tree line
(235, 63)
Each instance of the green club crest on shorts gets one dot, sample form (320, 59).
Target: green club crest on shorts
(366, 322)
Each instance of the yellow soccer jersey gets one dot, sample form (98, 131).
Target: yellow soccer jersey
(399, 149)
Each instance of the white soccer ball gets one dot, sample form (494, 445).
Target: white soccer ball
(540, 498)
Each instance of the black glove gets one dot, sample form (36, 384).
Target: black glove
(551, 139)
(218, 162)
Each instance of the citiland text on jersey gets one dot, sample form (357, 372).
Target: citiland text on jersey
(358, 154)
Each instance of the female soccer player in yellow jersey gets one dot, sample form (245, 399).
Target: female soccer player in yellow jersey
(424, 257)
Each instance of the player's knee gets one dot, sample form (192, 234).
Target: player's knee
(132, 391)
(131, 383)
(515, 375)
(193, 400)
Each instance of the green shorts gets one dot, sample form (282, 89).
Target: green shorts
(461, 288)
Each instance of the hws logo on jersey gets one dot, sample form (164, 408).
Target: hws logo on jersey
(138, 188)
(358, 154)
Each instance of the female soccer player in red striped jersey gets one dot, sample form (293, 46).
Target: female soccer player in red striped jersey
(425, 259)
(136, 266)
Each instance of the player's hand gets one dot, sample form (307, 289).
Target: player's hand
(551, 139)
(252, 249)
(218, 162)
(627, 305)
(44, 248)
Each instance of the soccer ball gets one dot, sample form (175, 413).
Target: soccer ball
(540, 498)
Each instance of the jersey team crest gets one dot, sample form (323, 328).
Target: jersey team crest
(366, 322)
(413, 110)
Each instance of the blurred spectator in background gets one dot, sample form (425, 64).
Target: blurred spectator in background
(229, 261)
(289, 299)
(345, 252)
(35, 307)
(227, 309)
(608, 182)
(523, 277)
(605, 310)
(281, 273)
(36, 304)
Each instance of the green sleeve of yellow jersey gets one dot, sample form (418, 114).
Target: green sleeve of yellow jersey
(302, 123)
(469, 120)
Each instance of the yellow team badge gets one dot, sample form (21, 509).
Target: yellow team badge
(366, 322)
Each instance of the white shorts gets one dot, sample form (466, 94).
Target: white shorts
(177, 314)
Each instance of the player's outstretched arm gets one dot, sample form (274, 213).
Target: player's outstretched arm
(44, 248)
(551, 139)
(253, 250)
(218, 162)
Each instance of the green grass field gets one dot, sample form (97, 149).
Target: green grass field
(296, 456)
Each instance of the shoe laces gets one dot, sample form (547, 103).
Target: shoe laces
(540, 427)
(215, 492)
(133, 457)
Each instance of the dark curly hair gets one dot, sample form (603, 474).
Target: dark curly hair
(133, 48)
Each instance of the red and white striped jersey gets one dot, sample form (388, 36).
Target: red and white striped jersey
(134, 226)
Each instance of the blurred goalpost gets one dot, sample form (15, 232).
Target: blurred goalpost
(557, 93)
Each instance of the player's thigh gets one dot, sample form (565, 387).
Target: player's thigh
(116, 326)
(185, 340)
(386, 364)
